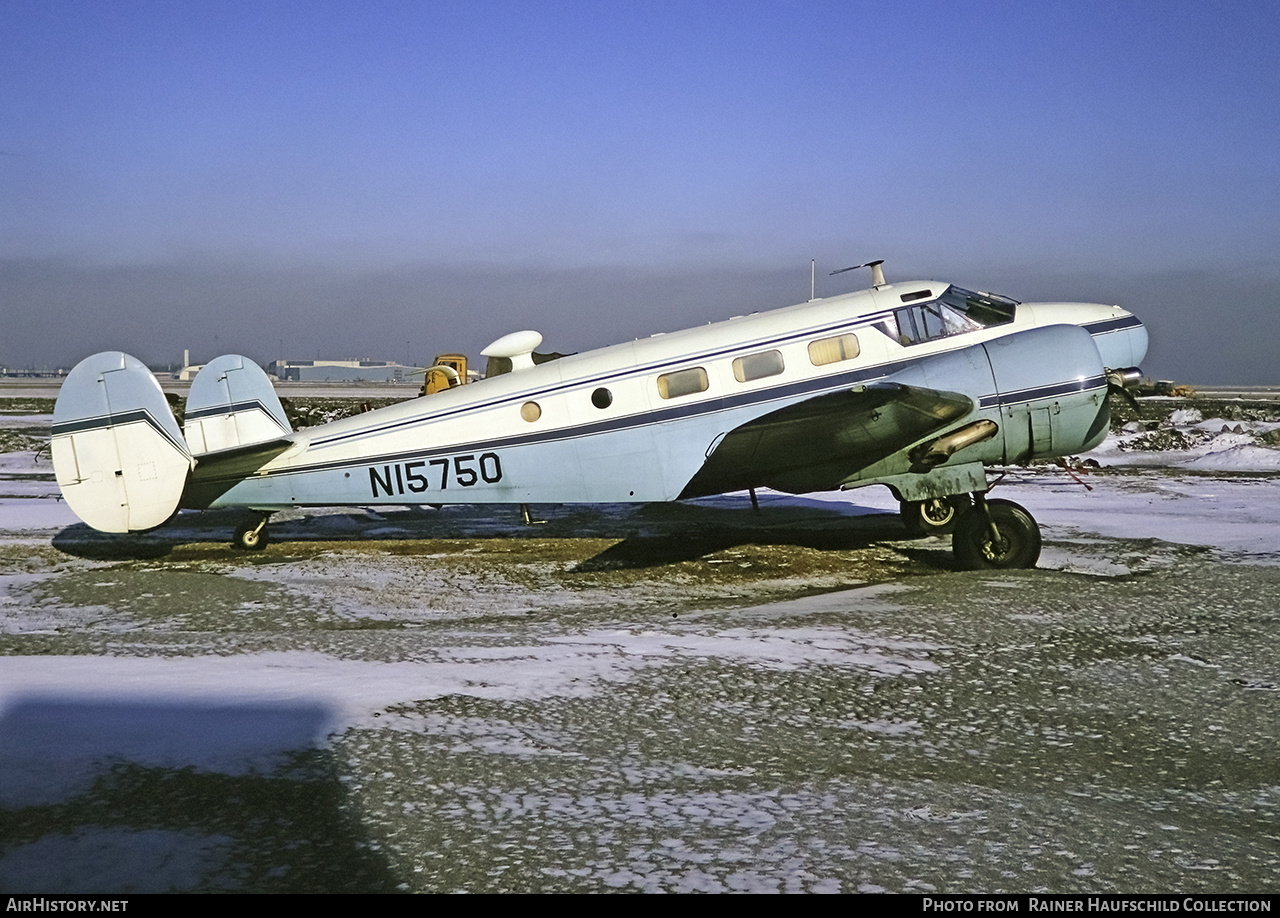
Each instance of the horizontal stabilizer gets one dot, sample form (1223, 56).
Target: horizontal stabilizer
(232, 404)
(118, 454)
(216, 473)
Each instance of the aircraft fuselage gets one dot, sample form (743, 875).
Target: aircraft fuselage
(638, 421)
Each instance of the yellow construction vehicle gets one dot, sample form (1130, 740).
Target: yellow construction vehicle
(447, 371)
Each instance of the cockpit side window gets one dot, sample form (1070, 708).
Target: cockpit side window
(930, 321)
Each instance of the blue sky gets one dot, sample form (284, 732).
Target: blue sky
(371, 179)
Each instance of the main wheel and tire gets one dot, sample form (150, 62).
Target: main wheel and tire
(251, 535)
(933, 517)
(1017, 547)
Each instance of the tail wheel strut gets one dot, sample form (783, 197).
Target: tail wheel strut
(251, 535)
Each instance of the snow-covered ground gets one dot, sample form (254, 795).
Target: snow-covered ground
(1230, 512)
(509, 719)
(1192, 442)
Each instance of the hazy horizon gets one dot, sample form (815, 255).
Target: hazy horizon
(397, 179)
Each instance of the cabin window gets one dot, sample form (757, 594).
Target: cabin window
(530, 411)
(758, 366)
(602, 398)
(682, 382)
(833, 350)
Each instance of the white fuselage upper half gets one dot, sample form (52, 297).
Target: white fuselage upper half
(634, 422)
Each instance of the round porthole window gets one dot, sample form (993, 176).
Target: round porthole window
(602, 398)
(530, 411)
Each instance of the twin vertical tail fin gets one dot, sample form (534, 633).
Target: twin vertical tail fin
(232, 404)
(118, 454)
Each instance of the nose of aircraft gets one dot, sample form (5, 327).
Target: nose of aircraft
(1120, 336)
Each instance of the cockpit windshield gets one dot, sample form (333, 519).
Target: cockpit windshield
(986, 309)
(955, 312)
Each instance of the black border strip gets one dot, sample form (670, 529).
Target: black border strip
(218, 410)
(104, 421)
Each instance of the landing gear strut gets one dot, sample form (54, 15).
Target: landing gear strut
(996, 534)
(527, 515)
(251, 535)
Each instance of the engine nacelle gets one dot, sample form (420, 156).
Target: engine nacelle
(1051, 393)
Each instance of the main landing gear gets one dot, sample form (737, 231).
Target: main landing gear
(985, 534)
(995, 534)
(251, 534)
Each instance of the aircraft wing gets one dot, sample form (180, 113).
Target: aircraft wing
(816, 444)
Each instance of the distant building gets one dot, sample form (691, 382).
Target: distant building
(188, 371)
(339, 370)
(32, 372)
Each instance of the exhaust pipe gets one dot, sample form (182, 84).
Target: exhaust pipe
(936, 452)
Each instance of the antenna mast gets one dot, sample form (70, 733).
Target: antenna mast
(877, 274)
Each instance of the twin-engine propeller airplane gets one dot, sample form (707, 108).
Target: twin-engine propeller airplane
(917, 386)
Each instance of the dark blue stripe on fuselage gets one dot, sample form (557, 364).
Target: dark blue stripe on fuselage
(1038, 392)
(810, 388)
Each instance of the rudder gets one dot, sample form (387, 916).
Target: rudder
(118, 455)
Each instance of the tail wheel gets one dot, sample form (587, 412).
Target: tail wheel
(933, 517)
(1015, 543)
(251, 535)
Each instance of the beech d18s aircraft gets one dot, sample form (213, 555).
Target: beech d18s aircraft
(917, 386)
